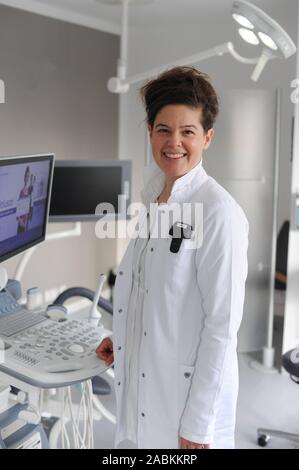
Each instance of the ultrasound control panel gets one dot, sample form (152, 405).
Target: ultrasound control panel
(53, 353)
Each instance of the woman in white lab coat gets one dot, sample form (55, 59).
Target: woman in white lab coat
(179, 297)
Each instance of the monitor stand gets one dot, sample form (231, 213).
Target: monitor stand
(3, 278)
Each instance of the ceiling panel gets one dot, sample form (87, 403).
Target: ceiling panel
(157, 12)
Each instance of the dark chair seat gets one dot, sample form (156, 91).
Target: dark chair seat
(290, 361)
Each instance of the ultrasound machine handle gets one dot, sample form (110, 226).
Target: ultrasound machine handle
(94, 314)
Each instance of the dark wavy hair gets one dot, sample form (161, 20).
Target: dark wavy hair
(181, 85)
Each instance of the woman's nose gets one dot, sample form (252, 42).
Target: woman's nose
(175, 140)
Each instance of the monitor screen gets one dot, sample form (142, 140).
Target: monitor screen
(25, 185)
(79, 186)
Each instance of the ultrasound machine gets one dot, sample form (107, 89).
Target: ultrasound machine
(38, 350)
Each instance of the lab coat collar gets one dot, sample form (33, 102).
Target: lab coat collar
(154, 180)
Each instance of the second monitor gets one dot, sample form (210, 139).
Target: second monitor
(79, 186)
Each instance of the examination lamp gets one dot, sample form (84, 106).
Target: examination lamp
(256, 28)
(259, 28)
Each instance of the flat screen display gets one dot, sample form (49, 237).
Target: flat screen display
(78, 188)
(25, 186)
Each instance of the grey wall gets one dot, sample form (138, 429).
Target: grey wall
(57, 101)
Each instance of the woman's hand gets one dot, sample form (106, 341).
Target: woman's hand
(185, 444)
(105, 351)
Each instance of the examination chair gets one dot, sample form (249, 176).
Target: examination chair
(290, 362)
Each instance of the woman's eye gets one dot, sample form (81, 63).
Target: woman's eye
(189, 133)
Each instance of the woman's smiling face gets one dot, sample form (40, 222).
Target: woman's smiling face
(178, 139)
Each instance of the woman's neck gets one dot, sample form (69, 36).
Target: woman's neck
(165, 194)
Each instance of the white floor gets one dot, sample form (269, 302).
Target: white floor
(267, 401)
(270, 401)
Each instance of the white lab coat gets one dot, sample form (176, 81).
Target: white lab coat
(188, 380)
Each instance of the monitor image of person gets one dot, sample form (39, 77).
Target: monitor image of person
(25, 206)
(24, 199)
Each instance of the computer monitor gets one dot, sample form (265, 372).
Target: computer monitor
(80, 185)
(25, 188)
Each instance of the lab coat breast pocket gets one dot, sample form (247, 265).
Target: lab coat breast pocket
(179, 260)
(180, 266)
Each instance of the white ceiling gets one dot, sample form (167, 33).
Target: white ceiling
(107, 17)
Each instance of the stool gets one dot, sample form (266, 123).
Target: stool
(290, 361)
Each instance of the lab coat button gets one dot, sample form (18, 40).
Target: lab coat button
(143, 415)
(120, 310)
(118, 383)
(143, 375)
(152, 249)
(119, 348)
(145, 333)
(187, 375)
(146, 291)
(120, 273)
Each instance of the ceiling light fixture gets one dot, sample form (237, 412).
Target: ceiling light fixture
(265, 25)
(267, 41)
(275, 41)
(272, 35)
(243, 21)
(249, 36)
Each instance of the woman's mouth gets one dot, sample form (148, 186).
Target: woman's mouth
(173, 156)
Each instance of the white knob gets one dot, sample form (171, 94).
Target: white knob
(76, 348)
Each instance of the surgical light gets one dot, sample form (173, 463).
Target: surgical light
(267, 41)
(243, 21)
(257, 28)
(249, 36)
(269, 31)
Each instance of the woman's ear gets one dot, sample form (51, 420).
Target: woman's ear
(150, 130)
(208, 138)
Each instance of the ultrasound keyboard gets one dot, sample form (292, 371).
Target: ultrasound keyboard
(45, 352)
(12, 324)
(13, 317)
